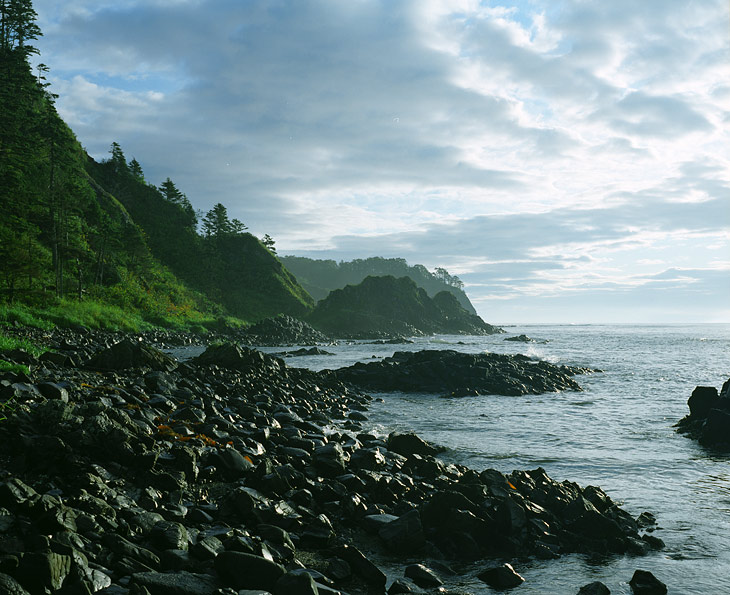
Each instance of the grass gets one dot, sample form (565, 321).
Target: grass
(10, 343)
(13, 368)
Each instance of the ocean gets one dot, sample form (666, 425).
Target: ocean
(617, 434)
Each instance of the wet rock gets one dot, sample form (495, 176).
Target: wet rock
(330, 459)
(501, 577)
(422, 576)
(282, 330)
(295, 584)
(594, 588)
(404, 586)
(410, 444)
(405, 534)
(445, 371)
(9, 586)
(709, 418)
(645, 583)
(43, 571)
(176, 583)
(703, 399)
(520, 339)
(246, 571)
(131, 354)
(360, 565)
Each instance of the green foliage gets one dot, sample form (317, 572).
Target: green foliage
(8, 343)
(14, 369)
(23, 315)
(93, 243)
(319, 277)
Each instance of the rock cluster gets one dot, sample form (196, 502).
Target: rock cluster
(282, 330)
(235, 473)
(709, 416)
(461, 374)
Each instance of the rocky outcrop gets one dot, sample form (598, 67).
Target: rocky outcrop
(709, 416)
(282, 330)
(461, 374)
(382, 307)
(234, 472)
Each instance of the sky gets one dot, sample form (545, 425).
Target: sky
(569, 160)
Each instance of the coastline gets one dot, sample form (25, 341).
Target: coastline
(284, 445)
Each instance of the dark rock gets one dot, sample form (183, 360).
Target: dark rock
(404, 586)
(445, 371)
(51, 390)
(361, 566)
(410, 444)
(246, 571)
(176, 583)
(330, 459)
(283, 330)
(405, 534)
(295, 584)
(717, 428)
(389, 306)
(595, 588)
(645, 583)
(9, 586)
(43, 571)
(501, 577)
(703, 399)
(131, 354)
(520, 339)
(422, 576)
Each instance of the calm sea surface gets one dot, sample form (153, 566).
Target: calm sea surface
(616, 434)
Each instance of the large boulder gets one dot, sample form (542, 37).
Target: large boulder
(131, 354)
(459, 374)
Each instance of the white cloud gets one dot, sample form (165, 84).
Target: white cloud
(567, 142)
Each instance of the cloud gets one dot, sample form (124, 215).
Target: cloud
(543, 147)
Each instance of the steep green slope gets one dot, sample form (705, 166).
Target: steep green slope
(228, 265)
(319, 277)
(388, 306)
(93, 243)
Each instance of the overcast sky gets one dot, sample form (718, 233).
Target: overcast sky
(569, 160)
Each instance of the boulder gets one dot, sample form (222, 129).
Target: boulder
(405, 534)
(501, 577)
(410, 444)
(422, 576)
(246, 571)
(645, 583)
(453, 373)
(703, 399)
(131, 354)
(176, 583)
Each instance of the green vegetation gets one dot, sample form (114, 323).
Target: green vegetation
(95, 244)
(11, 343)
(319, 277)
(390, 306)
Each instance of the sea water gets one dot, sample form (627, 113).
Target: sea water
(617, 434)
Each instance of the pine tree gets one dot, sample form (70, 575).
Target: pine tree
(268, 241)
(136, 170)
(216, 222)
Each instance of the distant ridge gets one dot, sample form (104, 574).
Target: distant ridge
(386, 306)
(319, 277)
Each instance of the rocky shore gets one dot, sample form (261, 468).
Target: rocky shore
(709, 417)
(462, 374)
(126, 472)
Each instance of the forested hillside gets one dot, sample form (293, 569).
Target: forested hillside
(319, 277)
(76, 232)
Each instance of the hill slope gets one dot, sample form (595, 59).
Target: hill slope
(319, 277)
(78, 234)
(386, 306)
(231, 267)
